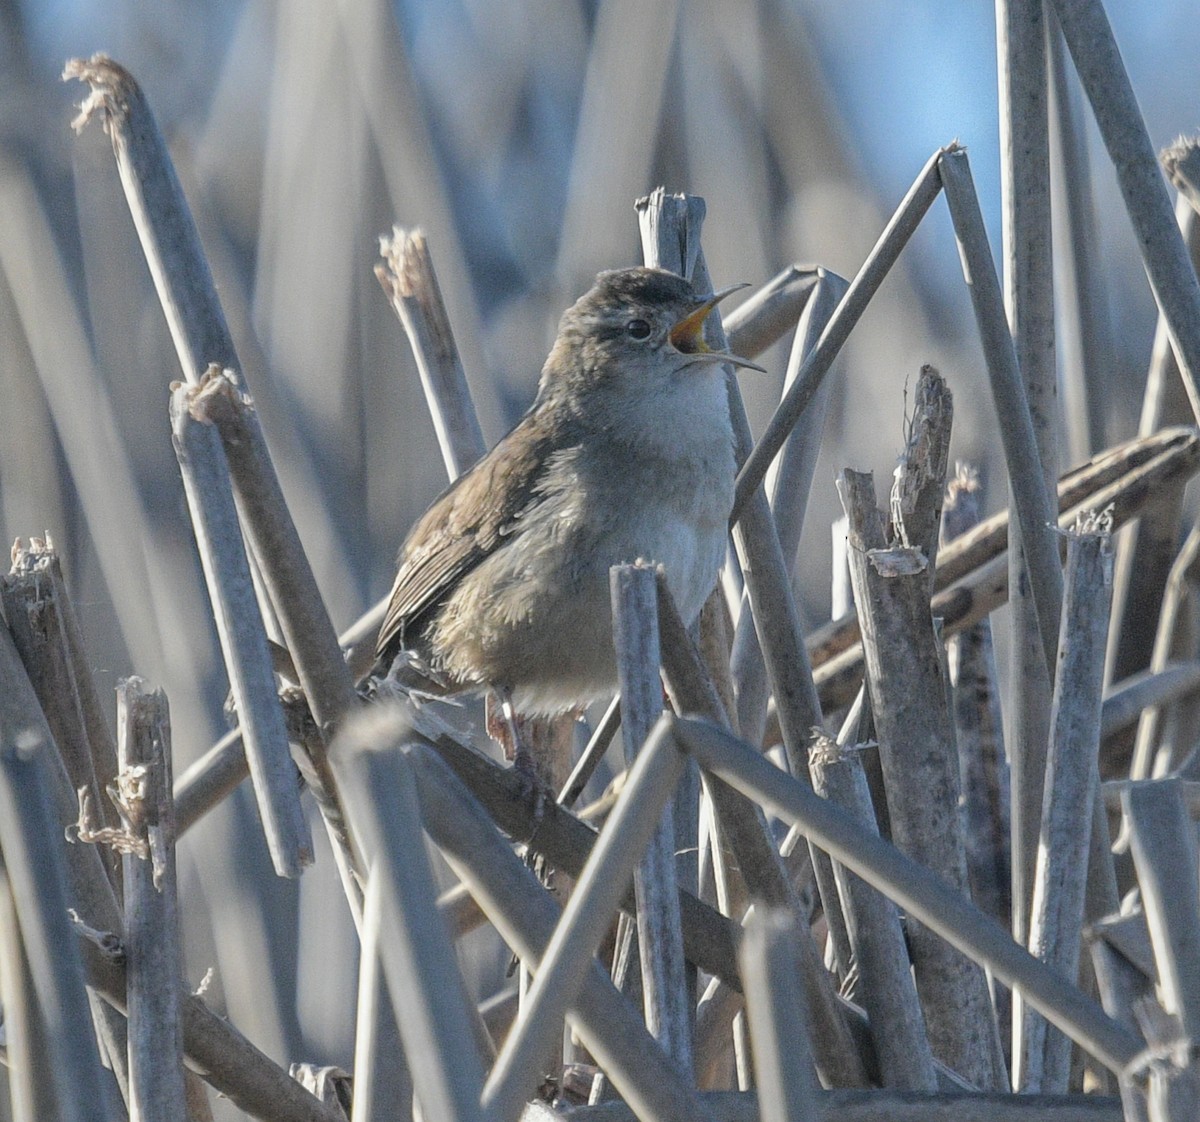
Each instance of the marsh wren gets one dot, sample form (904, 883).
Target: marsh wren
(625, 454)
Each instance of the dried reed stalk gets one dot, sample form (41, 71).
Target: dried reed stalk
(565, 842)
(42, 622)
(436, 1019)
(788, 483)
(920, 893)
(568, 980)
(660, 944)
(900, 1106)
(974, 597)
(31, 1083)
(979, 733)
(1071, 790)
(788, 1090)
(1105, 80)
(920, 767)
(900, 228)
(154, 964)
(243, 638)
(1085, 330)
(34, 867)
(1163, 844)
(743, 829)
(1030, 496)
(884, 984)
(585, 919)
(1028, 279)
(526, 914)
(1154, 753)
(983, 543)
(671, 239)
(1144, 557)
(410, 283)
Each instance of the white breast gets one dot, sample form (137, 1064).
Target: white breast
(535, 617)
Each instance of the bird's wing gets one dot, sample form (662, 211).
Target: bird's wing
(464, 526)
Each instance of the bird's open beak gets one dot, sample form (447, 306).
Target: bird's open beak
(687, 336)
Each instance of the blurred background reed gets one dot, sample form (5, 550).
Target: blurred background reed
(517, 135)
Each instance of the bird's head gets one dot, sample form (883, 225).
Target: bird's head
(636, 333)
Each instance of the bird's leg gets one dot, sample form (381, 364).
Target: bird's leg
(507, 728)
(503, 724)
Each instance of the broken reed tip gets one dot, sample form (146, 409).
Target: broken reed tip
(406, 260)
(112, 87)
(35, 555)
(1181, 162)
(1092, 523)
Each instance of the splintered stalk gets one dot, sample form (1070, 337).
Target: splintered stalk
(408, 278)
(90, 891)
(156, 1079)
(974, 596)
(920, 767)
(188, 295)
(160, 212)
(230, 1063)
(320, 669)
(42, 623)
(989, 539)
(1181, 162)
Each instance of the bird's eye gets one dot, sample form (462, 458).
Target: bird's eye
(638, 329)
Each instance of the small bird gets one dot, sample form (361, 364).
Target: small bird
(625, 454)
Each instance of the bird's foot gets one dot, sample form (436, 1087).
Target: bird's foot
(503, 724)
(510, 731)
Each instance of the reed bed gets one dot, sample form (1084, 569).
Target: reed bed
(851, 871)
